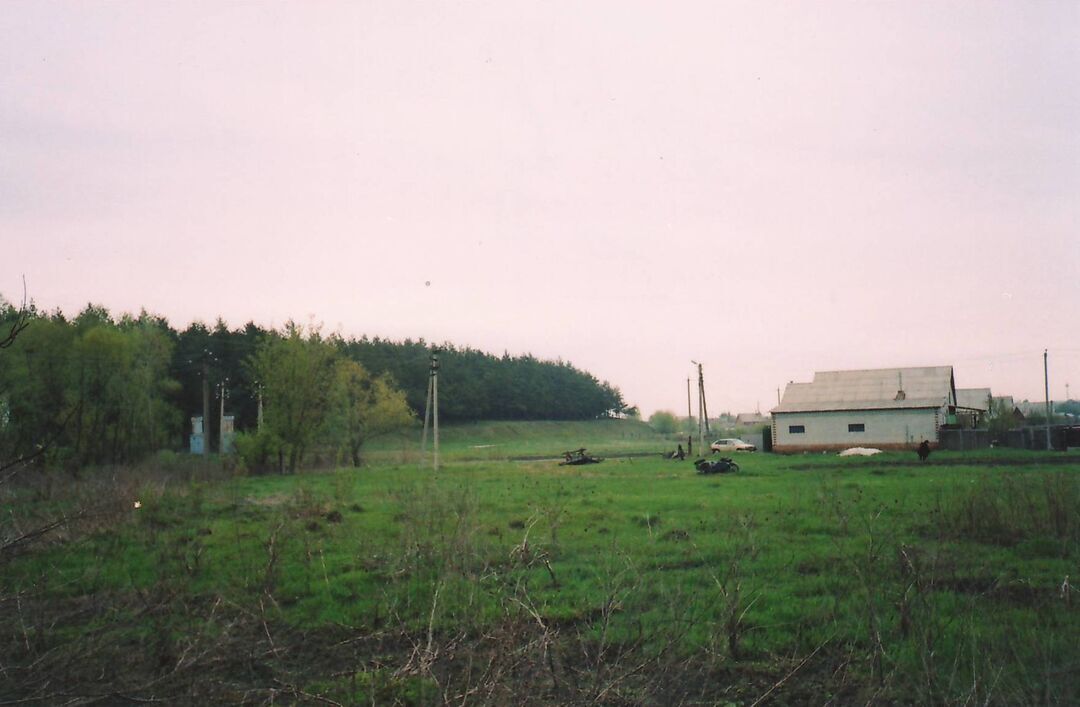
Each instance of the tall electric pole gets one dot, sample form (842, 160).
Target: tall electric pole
(431, 410)
(704, 404)
(1046, 382)
(206, 407)
(435, 403)
(703, 411)
(223, 392)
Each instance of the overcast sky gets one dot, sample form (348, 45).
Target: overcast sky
(769, 188)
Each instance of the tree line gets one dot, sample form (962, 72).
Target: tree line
(97, 388)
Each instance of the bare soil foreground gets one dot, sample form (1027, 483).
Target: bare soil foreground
(799, 580)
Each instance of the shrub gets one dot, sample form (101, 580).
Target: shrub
(1015, 508)
(256, 451)
(663, 422)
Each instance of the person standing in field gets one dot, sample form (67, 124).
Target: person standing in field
(923, 450)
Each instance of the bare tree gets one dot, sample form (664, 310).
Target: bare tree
(18, 323)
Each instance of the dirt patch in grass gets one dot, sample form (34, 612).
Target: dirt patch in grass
(271, 501)
(676, 535)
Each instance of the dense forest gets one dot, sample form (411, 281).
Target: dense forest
(98, 388)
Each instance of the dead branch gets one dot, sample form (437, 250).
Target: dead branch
(21, 321)
(787, 677)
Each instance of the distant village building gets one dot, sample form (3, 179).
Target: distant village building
(1006, 405)
(886, 408)
(751, 419)
(972, 406)
(1004, 402)
(1025, 410)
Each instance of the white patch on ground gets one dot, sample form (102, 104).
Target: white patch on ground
(859, 452)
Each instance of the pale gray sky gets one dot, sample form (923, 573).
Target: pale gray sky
(769, 188)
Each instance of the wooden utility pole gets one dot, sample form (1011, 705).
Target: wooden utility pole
(703, 414)
(704, 404)
(431, 410)
(1046, 382)
(223, 393)
(435, 404)
(206, 407)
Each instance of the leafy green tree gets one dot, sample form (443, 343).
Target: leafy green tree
(663, 422)
(119, 382)
(999, 419)
(297, 372)
(364, 407)
(35, 387)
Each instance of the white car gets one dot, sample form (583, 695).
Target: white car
(732, 445)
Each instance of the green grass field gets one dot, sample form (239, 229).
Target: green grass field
(804, 579)
(491, 441)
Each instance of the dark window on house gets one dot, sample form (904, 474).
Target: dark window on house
(856, 427)
(796, 429)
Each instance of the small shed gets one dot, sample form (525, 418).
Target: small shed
(197, 441)
(972, 405)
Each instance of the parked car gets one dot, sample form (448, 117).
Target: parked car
(732, 445)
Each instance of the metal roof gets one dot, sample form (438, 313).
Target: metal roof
(876, 389)
(973, 398)
(1029, 408)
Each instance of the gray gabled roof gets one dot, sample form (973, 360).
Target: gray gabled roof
(1006, 401)
(876, 389)
(973, 398)
(1028, 408)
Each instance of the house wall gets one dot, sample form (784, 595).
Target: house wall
(884, 429)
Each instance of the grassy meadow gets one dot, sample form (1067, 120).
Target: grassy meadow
(803, 579)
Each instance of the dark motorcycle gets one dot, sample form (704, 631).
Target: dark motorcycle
(577, 457)
(724, 465)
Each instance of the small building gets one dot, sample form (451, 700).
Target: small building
(228, 434)
(751, 419)
(886, 408)
(972, 406)
(1006, 405)
(197, 441)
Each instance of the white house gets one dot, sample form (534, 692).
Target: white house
(887, 408)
